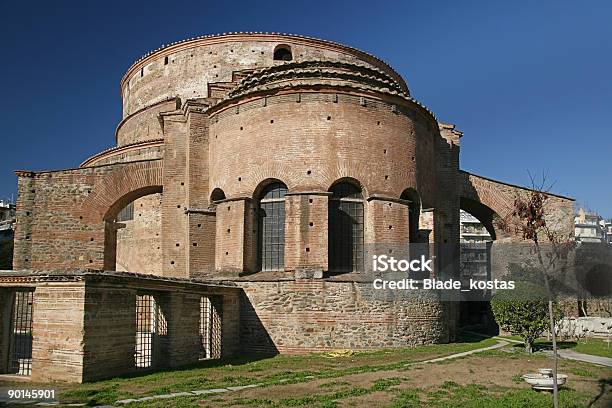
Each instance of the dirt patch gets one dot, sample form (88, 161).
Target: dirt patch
(493, 372)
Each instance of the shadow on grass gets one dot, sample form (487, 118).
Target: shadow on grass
(468, 336)
(547, 345)
(603, 384)
(231, 360)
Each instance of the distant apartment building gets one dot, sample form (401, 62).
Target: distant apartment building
(608, 230)
(7, 226)
(475, 247)
(591, 227)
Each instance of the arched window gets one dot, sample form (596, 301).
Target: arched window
(282, 53)
(345, 236)
(272, 227)
(414, 213)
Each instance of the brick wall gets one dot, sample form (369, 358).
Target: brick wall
(313, 315)
(57, 330)
(109, 331)
(139, 241)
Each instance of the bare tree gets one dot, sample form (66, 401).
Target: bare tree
(529, 219)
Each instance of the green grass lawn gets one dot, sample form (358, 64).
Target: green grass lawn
(250, 370)
(379, 378)
(596, 347)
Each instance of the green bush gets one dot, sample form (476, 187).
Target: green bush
(524, 312)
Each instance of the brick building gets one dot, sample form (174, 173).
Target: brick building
(250, 174)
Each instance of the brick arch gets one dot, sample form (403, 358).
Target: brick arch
(119, 187)
(489, 201)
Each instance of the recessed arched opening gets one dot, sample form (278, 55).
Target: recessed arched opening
(132, 239)
(476, 234)
(414, 213)
(483, 213)
(270, 196)
(345, 227)
(283, 53)
(217, 195)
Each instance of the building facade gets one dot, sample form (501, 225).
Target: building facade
(264, 165)
(590, 227)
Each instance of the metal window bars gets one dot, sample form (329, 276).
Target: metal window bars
(146, 330)
(210, 327)
(20, 346)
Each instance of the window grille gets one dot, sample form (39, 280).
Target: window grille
(20, 346)
(272, 228)
(146, 330)
(210, 327)
(127, 213)
(345, 237)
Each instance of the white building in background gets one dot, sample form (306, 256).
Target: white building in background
(472, 230)
(608, 229)
(475, 247)
(7, 219)
(591, 227)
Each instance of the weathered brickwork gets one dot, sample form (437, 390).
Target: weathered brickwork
(312, 315)
(139, 239)
(209, 124)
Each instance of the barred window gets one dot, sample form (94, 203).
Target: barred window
(345, 244)
(272, 227)
(126, 214)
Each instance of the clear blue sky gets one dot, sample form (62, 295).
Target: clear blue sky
(517, 77)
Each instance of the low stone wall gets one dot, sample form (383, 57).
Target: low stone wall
(300, 316)
(84, 323)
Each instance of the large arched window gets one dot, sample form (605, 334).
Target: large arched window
(272, 227)
(345, 228)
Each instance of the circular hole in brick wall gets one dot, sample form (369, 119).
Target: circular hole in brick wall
(386, 177)
(182, 184)
(226, 253)
(390, 204)
(329, 118)
(311, 224)
(177, 244)
(239, 178)
(310, 200)
(90, 261)
(178, 206)
(91, 239)
(378, 123)
(214, 66)
(228, 208)
(385, 151)
(171, 262)
(307, 249)
(157, 247)
(241, 128)
(412, 158)
(228, 230)
(199, 225)
(271, 120)
(195, 244)
(308, 172)
(390, 227)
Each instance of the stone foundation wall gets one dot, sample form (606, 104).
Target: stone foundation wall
(314, 315)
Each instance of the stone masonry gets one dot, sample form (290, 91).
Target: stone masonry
(209, 125)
